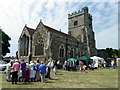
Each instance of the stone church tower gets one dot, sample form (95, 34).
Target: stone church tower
(80, 26)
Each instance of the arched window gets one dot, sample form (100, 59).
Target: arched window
(39, 49)
(39, 45)
(24, 44)
(24, 48)
(72, 53)
(69, 52)
(61, 51)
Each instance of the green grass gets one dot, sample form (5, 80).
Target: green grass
(0, 80)
(100, 78)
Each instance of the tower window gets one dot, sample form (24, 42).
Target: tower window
(75, 23)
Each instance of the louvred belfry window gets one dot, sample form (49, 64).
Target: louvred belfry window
(75, 23)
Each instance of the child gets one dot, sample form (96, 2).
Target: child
(84, 68)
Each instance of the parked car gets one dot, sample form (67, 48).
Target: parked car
(3, 65)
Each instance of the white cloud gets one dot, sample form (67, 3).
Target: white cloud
(107, 16)
(50, 5)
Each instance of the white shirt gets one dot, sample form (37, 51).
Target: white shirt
(50, 64)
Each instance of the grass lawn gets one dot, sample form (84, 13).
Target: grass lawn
(100, 78)
(0, 80)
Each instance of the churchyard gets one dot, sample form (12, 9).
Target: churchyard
(99, 78)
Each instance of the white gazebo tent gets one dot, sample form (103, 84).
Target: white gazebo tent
(96, 59)
(118, 60)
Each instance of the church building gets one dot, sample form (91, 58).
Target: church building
(44, 42)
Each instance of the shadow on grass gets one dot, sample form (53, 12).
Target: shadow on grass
(28, 83)
(54, 79)
(49, 82)
(59, 74)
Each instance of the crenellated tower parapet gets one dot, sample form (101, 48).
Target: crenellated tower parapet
(78, 13)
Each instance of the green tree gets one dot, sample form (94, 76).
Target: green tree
(119, 53)
(112, 52)
(109, 52)
(5, 42)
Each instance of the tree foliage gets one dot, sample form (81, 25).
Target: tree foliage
(5, 42)
(113, 52)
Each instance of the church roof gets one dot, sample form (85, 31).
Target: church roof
(59, 32)
(30, 30)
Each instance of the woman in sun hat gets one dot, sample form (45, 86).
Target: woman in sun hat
(16, 68)
(8, 70)
(32, 70)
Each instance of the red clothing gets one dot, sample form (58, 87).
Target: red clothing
(27, 79)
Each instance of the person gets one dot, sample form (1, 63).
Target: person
(8, 70)
(52, 64)
(74, 66)
(71, 64)
(65, 65)
(77, 64)
(58, 64)
(68, 66)
(104, 64)
(42, 69)
(99, 64)
(27, 79)
(55, 67)
(81, 65)
(37, 70)
(91, 66)
(16, 68)
(49, 66)
(107, 65)
(84, 68)
(112, 63)
(23, 68)
(32, 70)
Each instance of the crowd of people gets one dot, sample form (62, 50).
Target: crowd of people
(22, 71)
(80, 65)
(108, 64)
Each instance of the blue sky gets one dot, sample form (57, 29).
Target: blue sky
(16, 13)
